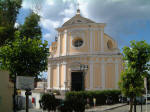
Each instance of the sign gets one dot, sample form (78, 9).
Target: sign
(24, 82)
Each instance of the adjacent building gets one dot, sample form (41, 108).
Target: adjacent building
(83, 57)
(6, 92)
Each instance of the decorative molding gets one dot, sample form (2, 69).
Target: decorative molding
(83, 29)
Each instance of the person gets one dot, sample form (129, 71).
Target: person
(94, 101)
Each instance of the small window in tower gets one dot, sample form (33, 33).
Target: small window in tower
(78, 42)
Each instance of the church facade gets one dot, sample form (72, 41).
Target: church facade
(83, 57)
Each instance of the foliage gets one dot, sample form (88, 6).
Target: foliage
(31, 28)
(100, 96)
(48, 102)
(8, 13)
(132, 78)
(24, 57)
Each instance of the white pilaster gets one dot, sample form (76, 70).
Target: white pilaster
(49, 77)
(65, 74)
(59, 45)
(117, 73)
(103, 73)
(66, 39)
(91, 41)
(58, 75)
(102, 39)
(91, 75)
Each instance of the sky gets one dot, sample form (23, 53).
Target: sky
(125, 20)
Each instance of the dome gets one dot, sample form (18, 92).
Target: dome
(77, 19)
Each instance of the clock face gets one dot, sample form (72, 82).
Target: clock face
(77, 42)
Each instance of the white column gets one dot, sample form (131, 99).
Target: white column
(59, 45)
(66, 39)
(102, 39)
(117, 74)
(65, 74)
(49, 77)
(91, 41)
(103, 73)
(91, 75)
(58, 75)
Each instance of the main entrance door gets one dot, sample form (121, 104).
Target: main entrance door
(77, 81)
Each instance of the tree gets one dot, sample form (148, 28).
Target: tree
(24, 57)
(31, 28)
(8, 14)
(132, 78)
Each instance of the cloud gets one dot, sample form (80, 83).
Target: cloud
(123, 17)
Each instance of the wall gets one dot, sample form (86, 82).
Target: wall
(6, 92)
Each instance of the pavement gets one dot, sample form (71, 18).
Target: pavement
(94, 109)
(105, 107)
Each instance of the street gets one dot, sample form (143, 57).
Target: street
(118, 109)
(126, 108)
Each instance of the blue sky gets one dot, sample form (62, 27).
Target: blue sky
(126, 19)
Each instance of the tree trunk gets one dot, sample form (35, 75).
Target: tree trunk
(131, 104)
(134, 104)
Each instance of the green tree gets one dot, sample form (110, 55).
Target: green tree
(24, 57)
(8, 14)
(31, 28)
(132, 78)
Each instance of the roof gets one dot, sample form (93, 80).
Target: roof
(77, 19)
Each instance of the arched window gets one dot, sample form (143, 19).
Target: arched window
(109, 44)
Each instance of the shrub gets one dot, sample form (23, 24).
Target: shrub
(48, 102)
(100, 96)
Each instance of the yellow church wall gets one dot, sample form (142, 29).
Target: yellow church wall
(87, 79)
(97, 76)
(110, 75)
(97, 41)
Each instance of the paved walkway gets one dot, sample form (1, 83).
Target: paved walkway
(105, 107)
(94, 109)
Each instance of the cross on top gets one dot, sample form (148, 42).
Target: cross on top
(78, 10)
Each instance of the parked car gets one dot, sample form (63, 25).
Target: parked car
(148, 96)
(139, 100)
(122, 99)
